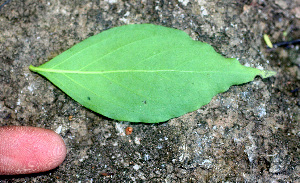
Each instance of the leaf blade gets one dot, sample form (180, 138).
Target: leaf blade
(144, 73)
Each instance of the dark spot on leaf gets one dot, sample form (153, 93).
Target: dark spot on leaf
(88, 98)
(145, 102)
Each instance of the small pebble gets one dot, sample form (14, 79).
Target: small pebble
(128, 130)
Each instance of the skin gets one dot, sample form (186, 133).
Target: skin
(26, 150)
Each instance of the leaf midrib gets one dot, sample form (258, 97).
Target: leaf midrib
(120, 71)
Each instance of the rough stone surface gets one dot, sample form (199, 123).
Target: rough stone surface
(250, 133)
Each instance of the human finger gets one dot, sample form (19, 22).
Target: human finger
(25, 150)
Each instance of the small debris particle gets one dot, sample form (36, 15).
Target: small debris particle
(106, 174)
(128, 130)
(58, 130)
(137, 140)
(136, 167)
(268, 41)
(146, 157)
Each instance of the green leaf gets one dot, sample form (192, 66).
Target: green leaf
(144, 73)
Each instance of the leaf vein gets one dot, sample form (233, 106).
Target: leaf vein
(94, 92)
(113, 51)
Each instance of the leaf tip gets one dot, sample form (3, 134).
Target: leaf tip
(266, 73)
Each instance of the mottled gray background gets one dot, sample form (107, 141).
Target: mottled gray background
(248, 134)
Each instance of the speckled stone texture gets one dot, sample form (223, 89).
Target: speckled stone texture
(250, 133)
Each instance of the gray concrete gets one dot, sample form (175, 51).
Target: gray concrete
(248, 134)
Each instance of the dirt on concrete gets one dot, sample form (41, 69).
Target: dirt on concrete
(250, 133)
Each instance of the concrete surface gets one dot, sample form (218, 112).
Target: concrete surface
(248, 134)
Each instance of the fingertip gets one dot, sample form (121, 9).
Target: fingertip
(25, 150)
